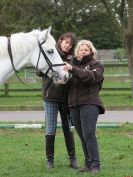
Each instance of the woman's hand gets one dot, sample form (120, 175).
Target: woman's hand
(67, 67)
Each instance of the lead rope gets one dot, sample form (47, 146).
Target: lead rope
(16, 71)
(45, 56)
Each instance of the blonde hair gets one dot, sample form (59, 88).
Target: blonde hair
(89, 44)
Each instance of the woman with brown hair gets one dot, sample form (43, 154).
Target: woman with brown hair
(55, 99)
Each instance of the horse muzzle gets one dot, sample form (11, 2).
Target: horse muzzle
(58, 80)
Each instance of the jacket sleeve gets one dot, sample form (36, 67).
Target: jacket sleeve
(89, 76)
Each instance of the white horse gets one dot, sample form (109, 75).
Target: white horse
(35, 48)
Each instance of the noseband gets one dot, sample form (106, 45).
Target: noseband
(47, 59)
(49, 64)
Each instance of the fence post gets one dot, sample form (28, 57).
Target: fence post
(6, 87)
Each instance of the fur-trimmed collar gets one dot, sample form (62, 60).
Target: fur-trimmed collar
(85, 59)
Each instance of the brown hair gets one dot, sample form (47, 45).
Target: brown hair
(67, 35)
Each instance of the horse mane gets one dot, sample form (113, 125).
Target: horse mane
(20, 43)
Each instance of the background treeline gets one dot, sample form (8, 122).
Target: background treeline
(87, 19)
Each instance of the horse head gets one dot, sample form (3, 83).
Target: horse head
(37, 48)
(47, 58)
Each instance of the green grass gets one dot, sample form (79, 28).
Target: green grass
(116, 71)
(117, 98)
(110, 98)
(22, 99)
(116, 84)
(22, 153)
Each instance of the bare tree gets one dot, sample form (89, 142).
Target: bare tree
(121, 12)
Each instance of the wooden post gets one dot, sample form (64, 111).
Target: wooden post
(6, 86)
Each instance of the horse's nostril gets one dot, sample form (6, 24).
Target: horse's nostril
(55, 76)
(65, 78)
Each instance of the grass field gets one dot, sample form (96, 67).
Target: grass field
(110, 98)
(22, 153)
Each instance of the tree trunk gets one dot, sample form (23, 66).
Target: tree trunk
(129, 50)
(129, 40)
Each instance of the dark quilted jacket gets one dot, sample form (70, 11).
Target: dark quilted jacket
(86, 83)
(55, 92)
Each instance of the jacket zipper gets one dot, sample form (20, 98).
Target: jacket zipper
(77, 93)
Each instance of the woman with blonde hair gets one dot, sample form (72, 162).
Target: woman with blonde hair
(84, 101)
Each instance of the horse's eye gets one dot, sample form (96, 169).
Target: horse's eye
(50, 51)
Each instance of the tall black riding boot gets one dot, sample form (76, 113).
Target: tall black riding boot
(50, 139)
(70, 145)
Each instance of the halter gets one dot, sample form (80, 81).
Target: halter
(48, 62)
(45, 57)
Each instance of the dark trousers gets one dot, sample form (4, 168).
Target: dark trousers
(84, 118)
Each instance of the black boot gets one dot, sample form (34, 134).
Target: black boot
(50, 139)
(70, 145)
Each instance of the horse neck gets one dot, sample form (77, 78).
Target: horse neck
(38, 61)
(22, 63)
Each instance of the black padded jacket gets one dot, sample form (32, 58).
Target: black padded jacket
(86, 83)
(55, 92)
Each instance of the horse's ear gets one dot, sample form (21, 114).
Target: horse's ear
(47, 32)
(49, 29)
(44, 34)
